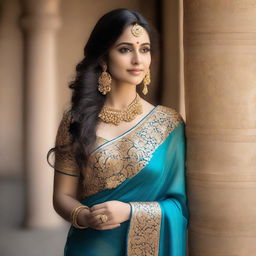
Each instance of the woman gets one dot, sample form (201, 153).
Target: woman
(119, 160)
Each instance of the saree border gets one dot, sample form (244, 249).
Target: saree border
(125, 157)
(144, 232)
(107, 142)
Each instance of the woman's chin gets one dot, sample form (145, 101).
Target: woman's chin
(130, 81)
(134, 81)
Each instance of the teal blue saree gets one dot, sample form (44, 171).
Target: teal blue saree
(145, 167)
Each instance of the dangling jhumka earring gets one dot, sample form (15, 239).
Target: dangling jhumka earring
(104, 81)
(146, 82)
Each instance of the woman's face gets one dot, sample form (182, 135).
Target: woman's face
(130, 58)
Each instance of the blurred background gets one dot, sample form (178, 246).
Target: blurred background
(40, 44)
(208, 46)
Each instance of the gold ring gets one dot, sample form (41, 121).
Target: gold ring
(104, 218)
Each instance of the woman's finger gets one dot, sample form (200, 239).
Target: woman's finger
(105, 227)
(96, 220)
(98, 212)
(95, 217)
(97, 207)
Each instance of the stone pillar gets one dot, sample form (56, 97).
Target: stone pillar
(220, 88)
(172, 32)
(40, 22)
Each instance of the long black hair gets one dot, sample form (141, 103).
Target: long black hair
(87, 101)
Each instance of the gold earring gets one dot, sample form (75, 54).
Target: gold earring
(104, 81)
(146, 82)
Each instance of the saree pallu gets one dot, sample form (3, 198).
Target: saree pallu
(144, 167)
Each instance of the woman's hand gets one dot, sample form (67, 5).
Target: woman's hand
(116, 211)
(82, 217)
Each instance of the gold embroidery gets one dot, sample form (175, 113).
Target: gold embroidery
(65, 161)
(144, 232)
(115, 161)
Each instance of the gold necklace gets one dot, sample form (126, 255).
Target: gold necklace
(115, 116)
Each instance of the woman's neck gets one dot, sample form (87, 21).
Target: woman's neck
(120, 98)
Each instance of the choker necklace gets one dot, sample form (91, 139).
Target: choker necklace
(115, 116)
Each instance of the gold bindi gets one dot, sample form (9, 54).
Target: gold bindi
(137, 30)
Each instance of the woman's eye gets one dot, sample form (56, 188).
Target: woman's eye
(124, 50)
(145, 50)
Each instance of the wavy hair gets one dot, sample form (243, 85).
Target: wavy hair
(87, 101)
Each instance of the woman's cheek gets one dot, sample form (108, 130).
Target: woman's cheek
(119, 67)
(116, 72)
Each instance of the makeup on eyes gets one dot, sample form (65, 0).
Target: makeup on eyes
(126, 49)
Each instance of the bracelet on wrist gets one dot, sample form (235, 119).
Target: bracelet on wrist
(74, 214)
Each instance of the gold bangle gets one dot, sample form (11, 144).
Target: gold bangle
(77, 208)
(75, 220)
(74, 211)
(74, 215)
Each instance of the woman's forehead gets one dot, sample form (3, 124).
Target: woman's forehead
(128, 36)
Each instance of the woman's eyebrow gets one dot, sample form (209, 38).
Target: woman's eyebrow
(126, 43)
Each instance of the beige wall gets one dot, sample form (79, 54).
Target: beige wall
(77, 22)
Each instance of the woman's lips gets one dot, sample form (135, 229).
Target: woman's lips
(135, 71)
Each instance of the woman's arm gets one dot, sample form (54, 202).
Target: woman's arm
(65, 197)
(64, 201)
(66, 176)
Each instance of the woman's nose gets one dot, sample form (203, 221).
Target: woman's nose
(136, 59)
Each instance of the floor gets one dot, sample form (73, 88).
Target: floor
(17, 241)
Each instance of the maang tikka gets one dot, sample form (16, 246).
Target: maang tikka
(104, 81)
(137, 30)
(146, 82)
